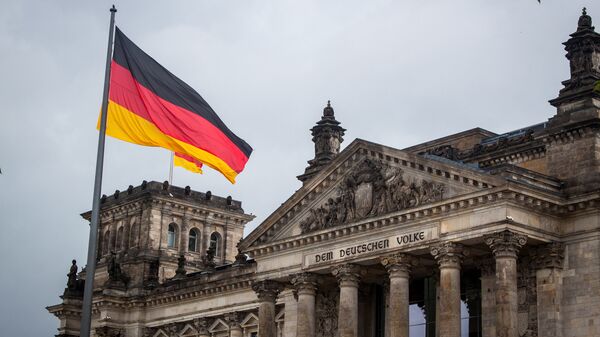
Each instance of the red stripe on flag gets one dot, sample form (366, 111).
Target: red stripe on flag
(173, 120)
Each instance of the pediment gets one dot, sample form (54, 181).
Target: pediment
(218, 325)
(368, 180)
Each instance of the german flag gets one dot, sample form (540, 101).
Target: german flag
(148, 105)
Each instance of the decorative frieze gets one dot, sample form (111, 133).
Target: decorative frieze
(372, 189)
(106, 331)
(201, 325)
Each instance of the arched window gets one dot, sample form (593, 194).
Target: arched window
(119, 243)
(215, 243)
(171, 236)
(193, 240)
(105, 242)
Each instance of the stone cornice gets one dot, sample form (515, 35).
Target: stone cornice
(176, 207)
(528, 198)
(572, 132)
(165, 296)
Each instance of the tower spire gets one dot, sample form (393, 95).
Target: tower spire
(327, 136)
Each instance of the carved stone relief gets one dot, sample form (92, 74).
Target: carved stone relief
(327, 312)
(527, 295)
(372, 189)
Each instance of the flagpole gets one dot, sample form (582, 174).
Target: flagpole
(171, 168)
(90, 271)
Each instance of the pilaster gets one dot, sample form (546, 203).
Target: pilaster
(549, 260)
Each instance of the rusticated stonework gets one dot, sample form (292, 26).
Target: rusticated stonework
(372, 189)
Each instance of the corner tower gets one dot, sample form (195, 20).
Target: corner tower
(572, 136)
(327, 136)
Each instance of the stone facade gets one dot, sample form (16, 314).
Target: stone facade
(473, 234)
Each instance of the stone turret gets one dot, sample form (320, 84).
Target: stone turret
(327, 136)
(578, 101)
(572, 136)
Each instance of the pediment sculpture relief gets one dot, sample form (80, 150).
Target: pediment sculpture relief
(373, 189)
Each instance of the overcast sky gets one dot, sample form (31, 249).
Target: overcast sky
(397, 73)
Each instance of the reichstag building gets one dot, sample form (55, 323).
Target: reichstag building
(475, 234)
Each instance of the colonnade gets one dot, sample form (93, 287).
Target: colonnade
(505, 246)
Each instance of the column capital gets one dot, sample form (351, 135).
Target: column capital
(548, 256)
(449, 254)
(505, 243)
(398, 264)
(267, 290)
(305, 283)
(347, 274)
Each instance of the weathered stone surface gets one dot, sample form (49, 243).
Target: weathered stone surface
(398, 267)
(348, 276)
(449, 256)
(306, 287)
(505, 245)
(267, 292)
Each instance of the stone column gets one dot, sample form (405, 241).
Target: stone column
(487, 268)
(233, 319)
(267, 292)
(505, 245)
(348, 276)
(549, 259)
(449, 256)
(398, 267)
(306, 287)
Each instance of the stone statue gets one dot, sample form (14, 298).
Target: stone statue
(72, 276)
(180, 272)
(116, 277)
(152, 279)
(209, 259)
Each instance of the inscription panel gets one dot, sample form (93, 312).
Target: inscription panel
(374, 246)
